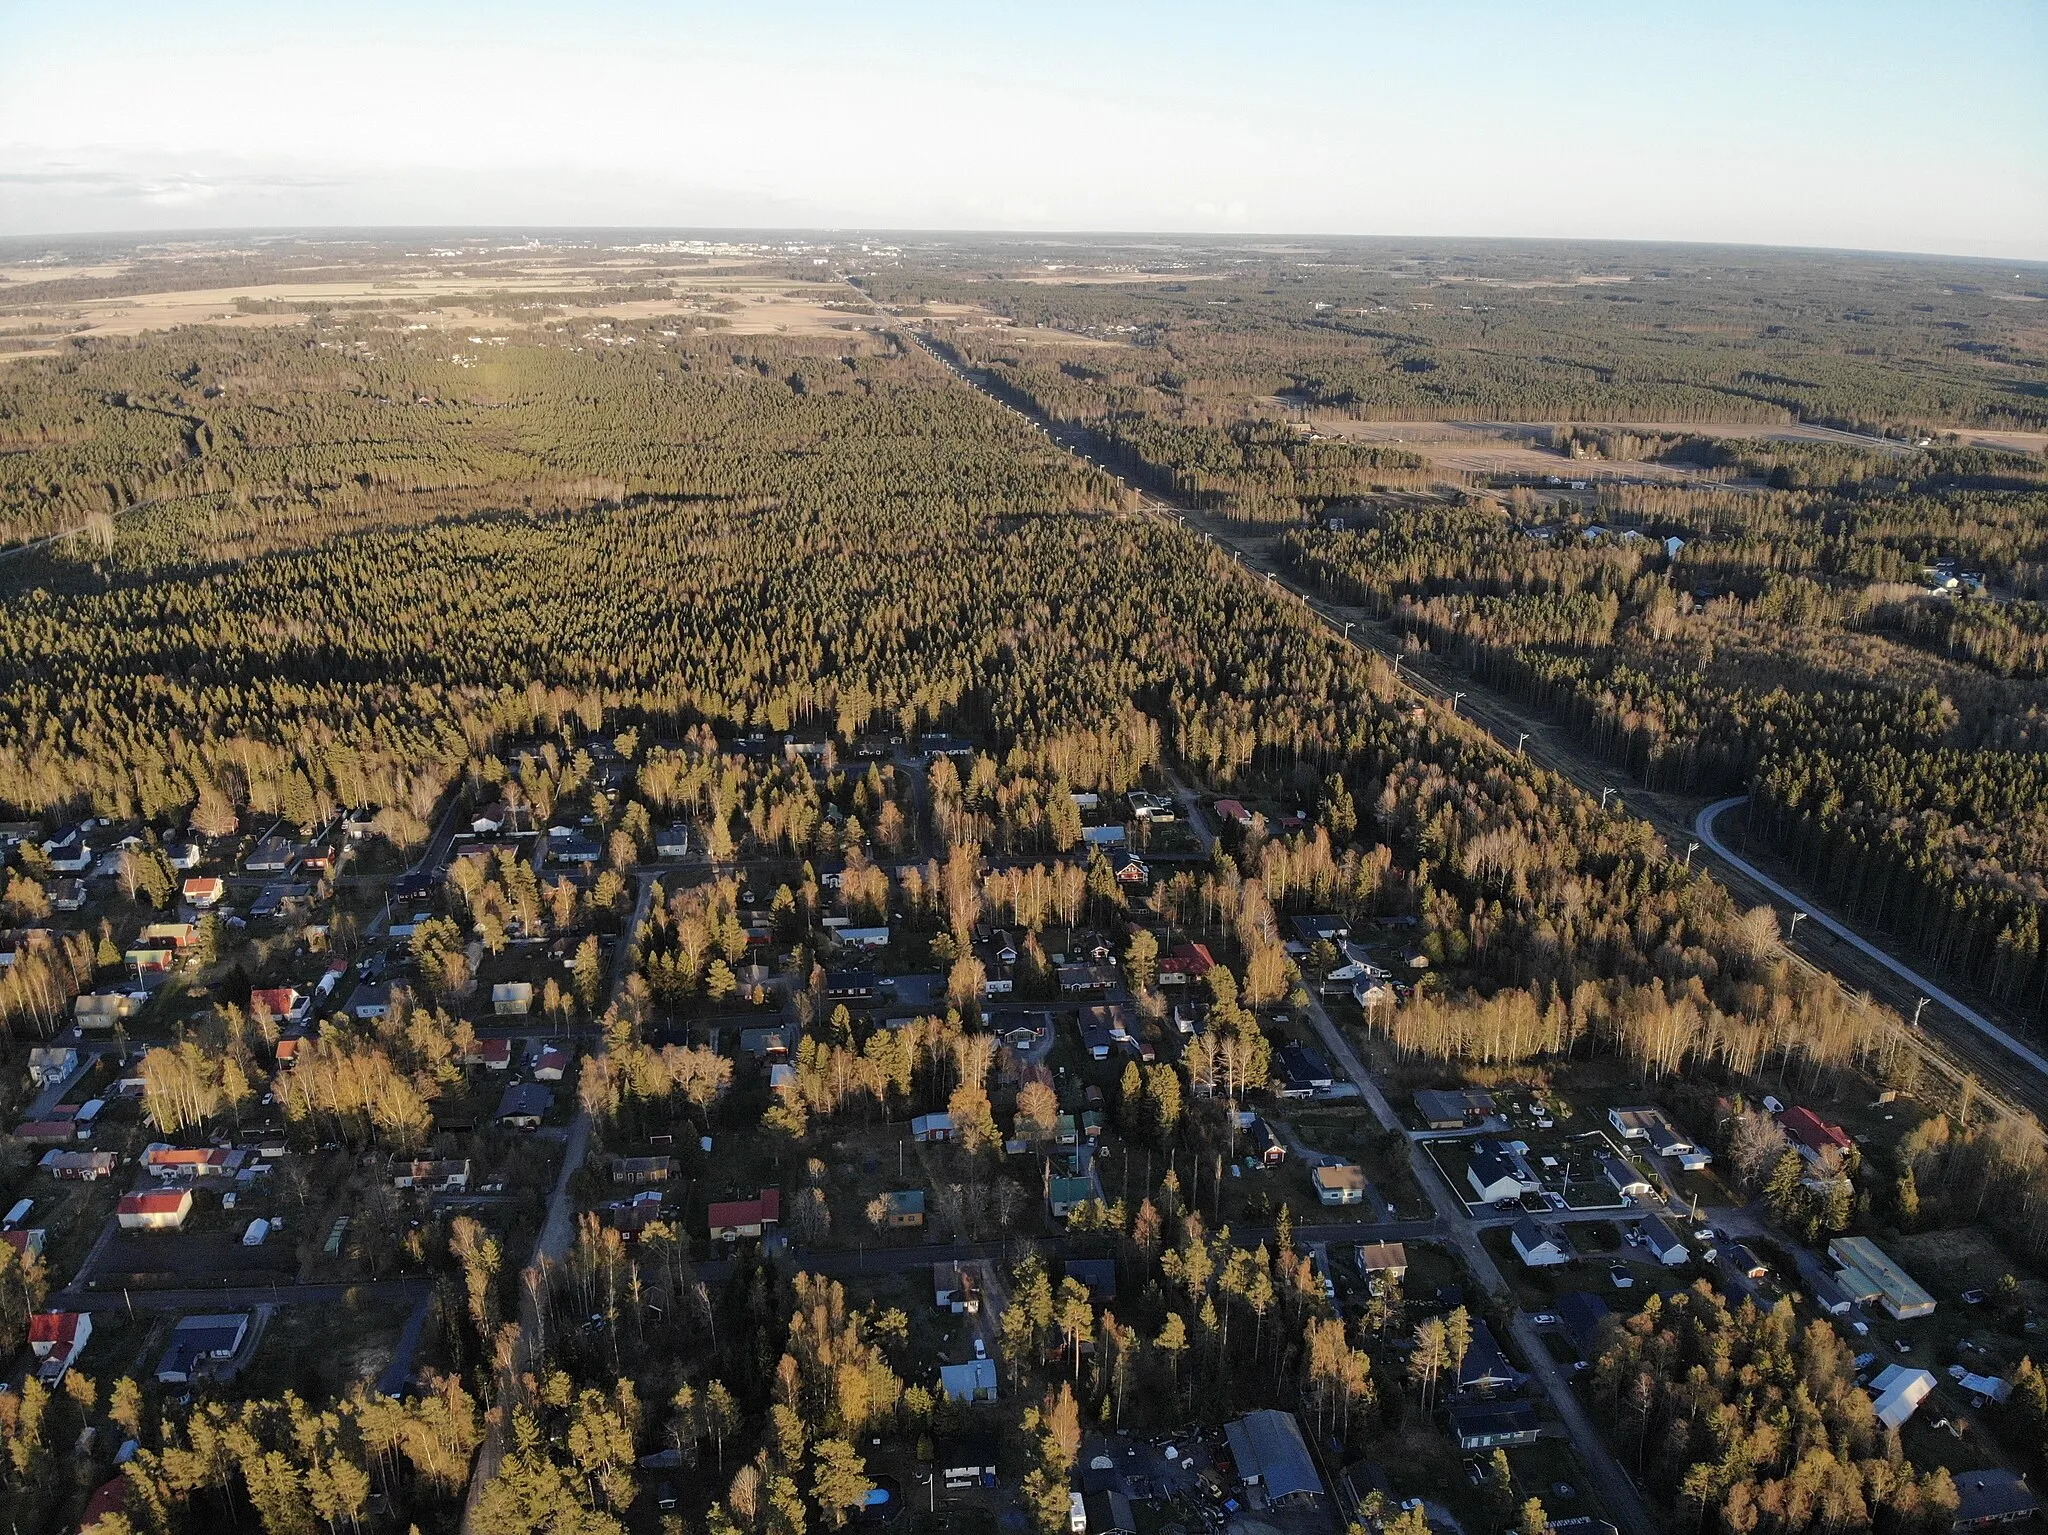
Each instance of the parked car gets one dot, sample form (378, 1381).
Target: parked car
(1620, 1278)
(1545, 1319)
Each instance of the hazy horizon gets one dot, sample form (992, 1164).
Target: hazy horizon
(1819, 126)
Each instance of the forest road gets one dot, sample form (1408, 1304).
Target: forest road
(1703, 824)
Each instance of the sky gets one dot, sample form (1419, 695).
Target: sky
(1865, 125)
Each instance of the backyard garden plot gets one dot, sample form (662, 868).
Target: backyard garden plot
(1549, 1169)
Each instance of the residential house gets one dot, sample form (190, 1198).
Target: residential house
(167, 1163)
(1454, 1110)
(200, 1345)
(50, 1064)
(67, 894)
(672, 842)
(1104, 836)
(730, 1220)
(1109, 1512)
(55, 1131)
(29, 1241)
(1271, 1455)
(56, 1338)
(1485, 1370)
(70, 853)
(1339, 1183)
(972, 1381)
(165, 1211)
(1063, 1193)
(1147, 806)
(205, 894)
(1661, 1242)
(1323, 928)
(1129, 868)
(1499, 1172)
(1985, 1498)
(79, 1166)
(551, 1064)
(283, 1004)
(1744, 1262)
(1187, 962)
(853, 986)
(1263, 1145)
(1089, 979)
(966, 1460)
(1304, 1071)
(369, 1003)
(1493, 1425)
(766, 1044)
(98, 1011)
(868, 938)
(932, 1127)
(1583, 1314)
(1378, 1260)
(512, 999)
(1539, 1246)
(1813, 1137)
(182, 854)
(904, 1209)
(446, 1176)
(1098, 1274)
(272, 855)
(494, 1054)
(1233, 812)
(524, 1105)
(641, 1171)
(1628, 1183)
(956, 1287)
(491, 819)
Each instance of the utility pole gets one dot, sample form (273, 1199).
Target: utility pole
(1797, 918)
(1917, 1008)
(1603, 797)
(1521, 740)
(1454, 701)
(1690, 849)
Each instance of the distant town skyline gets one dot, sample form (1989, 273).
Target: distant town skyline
(1834, 125)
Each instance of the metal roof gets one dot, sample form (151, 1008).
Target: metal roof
(1268, 1448)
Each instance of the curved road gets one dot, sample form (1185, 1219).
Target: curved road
(1703, 824)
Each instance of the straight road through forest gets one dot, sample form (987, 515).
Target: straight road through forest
(1704, 824)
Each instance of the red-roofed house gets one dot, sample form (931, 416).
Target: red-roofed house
(28, 1241)
(1234, 811)
(155, 1212)
(1812, 1135)
(1187, 962)
(192, 1162)
(550, 1064)
(57, 1338)
(283, 1003)
(745, 1217)
(207, 893)
(288, 1051)
(110, 1497)
(496, 1054)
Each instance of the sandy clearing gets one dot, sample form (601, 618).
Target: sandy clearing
(766, 304)
(1100, 279)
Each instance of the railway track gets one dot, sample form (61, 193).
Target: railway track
(1955, 1050)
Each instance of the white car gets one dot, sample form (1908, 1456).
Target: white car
(1545, 1319)
(1620, 1278)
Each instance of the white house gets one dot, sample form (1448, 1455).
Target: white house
(1537, 1246)
(1897, 1392)
(1497, 1172)
(1663, 1243)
